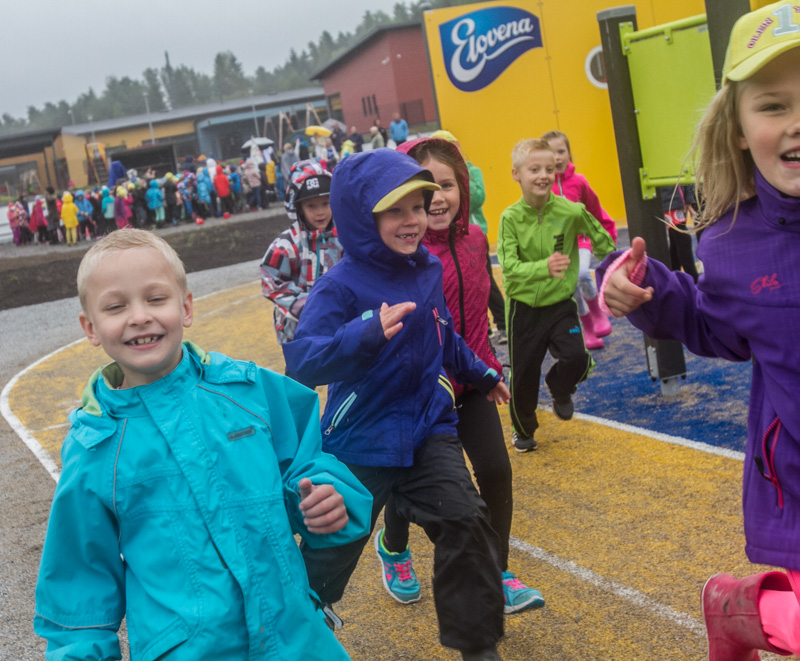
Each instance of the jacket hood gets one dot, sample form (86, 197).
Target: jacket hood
(359, 182)
(67, 198)
(461, 221)
(153, 184)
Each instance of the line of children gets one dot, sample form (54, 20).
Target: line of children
(185, 476)
(462, 249)
(297, 258)
(376, 329)
(575, 187)
(746, 306)
(538, 251)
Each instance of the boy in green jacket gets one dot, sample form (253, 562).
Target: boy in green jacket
(538, 252)
(185, 476)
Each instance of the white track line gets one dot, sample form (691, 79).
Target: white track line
(22, 431)
(629, 594)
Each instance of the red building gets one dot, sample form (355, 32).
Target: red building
(385, 72)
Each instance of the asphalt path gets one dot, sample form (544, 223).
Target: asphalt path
(618, 527)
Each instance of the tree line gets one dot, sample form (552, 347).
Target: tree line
(182, 86)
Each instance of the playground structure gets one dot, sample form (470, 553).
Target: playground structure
(646, 70)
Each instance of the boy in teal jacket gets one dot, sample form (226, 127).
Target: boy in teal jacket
(185, 476)
(538, 250)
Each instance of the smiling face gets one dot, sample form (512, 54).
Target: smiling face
(402, 226)
(561, 152)
(446, 202)
(136, 310)
(317, 212)
(769, 116)
(535, 177)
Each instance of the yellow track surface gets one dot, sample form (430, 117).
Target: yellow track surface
(618, 530)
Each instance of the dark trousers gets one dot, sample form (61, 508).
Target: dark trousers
(680, 251)
(497, 305)
(481, 433)
(437, 494)
(531, 333)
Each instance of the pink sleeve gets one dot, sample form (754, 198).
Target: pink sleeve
(593, 206)
(636, 277)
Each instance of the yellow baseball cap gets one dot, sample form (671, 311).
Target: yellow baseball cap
(416, 182)
(759, 37)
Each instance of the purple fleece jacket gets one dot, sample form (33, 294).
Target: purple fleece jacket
(746, 306)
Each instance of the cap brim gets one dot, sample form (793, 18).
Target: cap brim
(759, 60)
(394, 195)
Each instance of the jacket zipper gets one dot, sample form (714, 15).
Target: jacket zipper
(768, 450)
(344, 407)
(460, 291)
(438, 320)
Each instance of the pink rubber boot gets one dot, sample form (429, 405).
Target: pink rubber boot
(590, 339)
(602, 326)
(733, 623)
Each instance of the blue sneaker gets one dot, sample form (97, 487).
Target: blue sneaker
(397, 573)
(519, 596)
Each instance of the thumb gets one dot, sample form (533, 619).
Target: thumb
(638, 247)
(305, 488)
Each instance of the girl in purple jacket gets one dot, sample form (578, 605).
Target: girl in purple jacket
(462, 248)
(746, 306)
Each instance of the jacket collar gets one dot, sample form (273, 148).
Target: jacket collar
(778, 211)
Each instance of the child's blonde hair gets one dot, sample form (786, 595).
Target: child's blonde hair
(552, 135)
(725, 173)
(126, 239)
(525, 148)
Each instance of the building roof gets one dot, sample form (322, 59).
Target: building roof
(361, 44)
(198, 112)
(29, 142)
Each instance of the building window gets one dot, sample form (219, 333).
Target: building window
(375, 105)
(335, 107)
(364, 105)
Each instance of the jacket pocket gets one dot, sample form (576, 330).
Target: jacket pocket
(176, 634)
(766, 461)
(341, 412)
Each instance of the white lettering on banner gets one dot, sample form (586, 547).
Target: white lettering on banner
(511, 33)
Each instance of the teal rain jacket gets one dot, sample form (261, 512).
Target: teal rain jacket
(176, 508)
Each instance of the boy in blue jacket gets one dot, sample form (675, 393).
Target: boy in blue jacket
(377, 330)
(185, 476)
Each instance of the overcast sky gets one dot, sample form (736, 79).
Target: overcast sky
(53, 50)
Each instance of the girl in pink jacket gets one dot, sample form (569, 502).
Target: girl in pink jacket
(576, 188)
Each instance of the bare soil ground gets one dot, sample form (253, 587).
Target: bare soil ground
(38, 274)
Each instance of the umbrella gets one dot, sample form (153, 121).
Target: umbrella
(318, 131)
(258, 142)
(332, 123)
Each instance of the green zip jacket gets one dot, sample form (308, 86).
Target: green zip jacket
(526, 239)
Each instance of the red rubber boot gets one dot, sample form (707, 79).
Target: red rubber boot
(733, 623)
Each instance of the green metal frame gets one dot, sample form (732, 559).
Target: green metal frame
(672, 78)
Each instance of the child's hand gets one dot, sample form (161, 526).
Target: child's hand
(499, 394)
(391, 316)
(322, 507)
(557, 264)
(621, 295)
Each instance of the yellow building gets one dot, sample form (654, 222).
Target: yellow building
(79, 154)
(507, 72)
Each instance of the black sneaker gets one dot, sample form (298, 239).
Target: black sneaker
(564, 408)
(523, 443)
